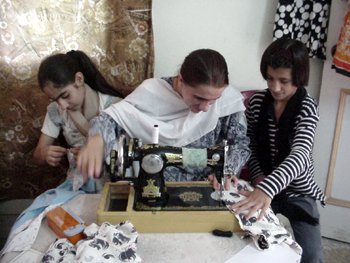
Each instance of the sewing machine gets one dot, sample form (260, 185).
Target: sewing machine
(151, 191)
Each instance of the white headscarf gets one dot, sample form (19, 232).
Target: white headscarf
(155, 102)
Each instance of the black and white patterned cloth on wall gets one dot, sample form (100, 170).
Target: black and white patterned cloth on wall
(305, 20)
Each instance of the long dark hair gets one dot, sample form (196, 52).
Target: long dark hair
(60, 69)
(205, 66)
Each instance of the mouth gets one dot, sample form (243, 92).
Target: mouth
(195, 109)
(277, 95)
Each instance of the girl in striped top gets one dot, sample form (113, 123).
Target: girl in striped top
(281, 125)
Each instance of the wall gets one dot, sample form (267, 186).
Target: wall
(240, 30)
(335, 219)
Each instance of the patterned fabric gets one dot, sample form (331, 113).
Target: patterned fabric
(341, 58)
(117, 35)
(296, 172)
(107, 243)
(266, 232)
(25, 230)
(306, 20)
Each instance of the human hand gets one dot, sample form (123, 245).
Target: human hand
(230, 180)
(90, 158)
(75, 152)
(54, 154)
(255, 200)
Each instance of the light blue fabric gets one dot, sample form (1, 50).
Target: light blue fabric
(90, 186)
(63, 193)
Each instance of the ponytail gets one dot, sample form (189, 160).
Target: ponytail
(59, 71)
(92, 75)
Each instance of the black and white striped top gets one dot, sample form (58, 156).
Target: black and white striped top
(296, 172)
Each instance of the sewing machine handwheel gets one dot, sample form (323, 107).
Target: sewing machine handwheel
(121, 167)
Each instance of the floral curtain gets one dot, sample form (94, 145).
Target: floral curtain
(116, 34)
(305, 20)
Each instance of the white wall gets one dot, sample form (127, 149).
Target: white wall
(332, 82)
(334, 218)
(239, 29)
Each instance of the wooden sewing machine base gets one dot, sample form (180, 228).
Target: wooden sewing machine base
(117, 205)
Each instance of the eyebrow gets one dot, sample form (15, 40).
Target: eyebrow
(201, 98)
(59, 96)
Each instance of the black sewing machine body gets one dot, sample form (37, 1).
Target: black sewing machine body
(150, 188)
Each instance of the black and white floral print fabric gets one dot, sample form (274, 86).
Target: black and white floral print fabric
(305, 20)
(105, 243)
(266, 232)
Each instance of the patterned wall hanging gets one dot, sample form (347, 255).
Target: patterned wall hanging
(341, 58)
(305, 20)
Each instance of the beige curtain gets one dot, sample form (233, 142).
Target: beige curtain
(116, 34)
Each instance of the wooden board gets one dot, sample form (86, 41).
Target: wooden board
(160, 221)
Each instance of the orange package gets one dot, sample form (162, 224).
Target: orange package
(66, 224)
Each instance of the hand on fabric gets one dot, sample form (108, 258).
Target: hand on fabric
(90, 158)
(266, 232)
(75, 152)
(256, 200)
(230, 180)
(54, 154)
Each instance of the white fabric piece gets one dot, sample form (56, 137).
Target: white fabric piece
(60, 251)
(74, 173)
(266, 232)
(105, 243)
(155, 102)
(23, 237)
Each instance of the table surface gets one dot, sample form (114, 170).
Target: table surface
(151, 247)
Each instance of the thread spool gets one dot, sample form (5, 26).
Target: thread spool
(155, 134)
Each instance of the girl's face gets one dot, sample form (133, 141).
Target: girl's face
(199, 98)
(280, 84)
(70, 97)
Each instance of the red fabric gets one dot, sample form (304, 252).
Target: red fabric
(247, 94)
(341, 58)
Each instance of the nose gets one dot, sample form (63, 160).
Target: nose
(62, 103)
(275, 86)
(204, 106)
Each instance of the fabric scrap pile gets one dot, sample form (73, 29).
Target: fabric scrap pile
(105, 243)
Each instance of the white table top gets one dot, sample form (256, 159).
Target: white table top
(159, 247)
(151, 247)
